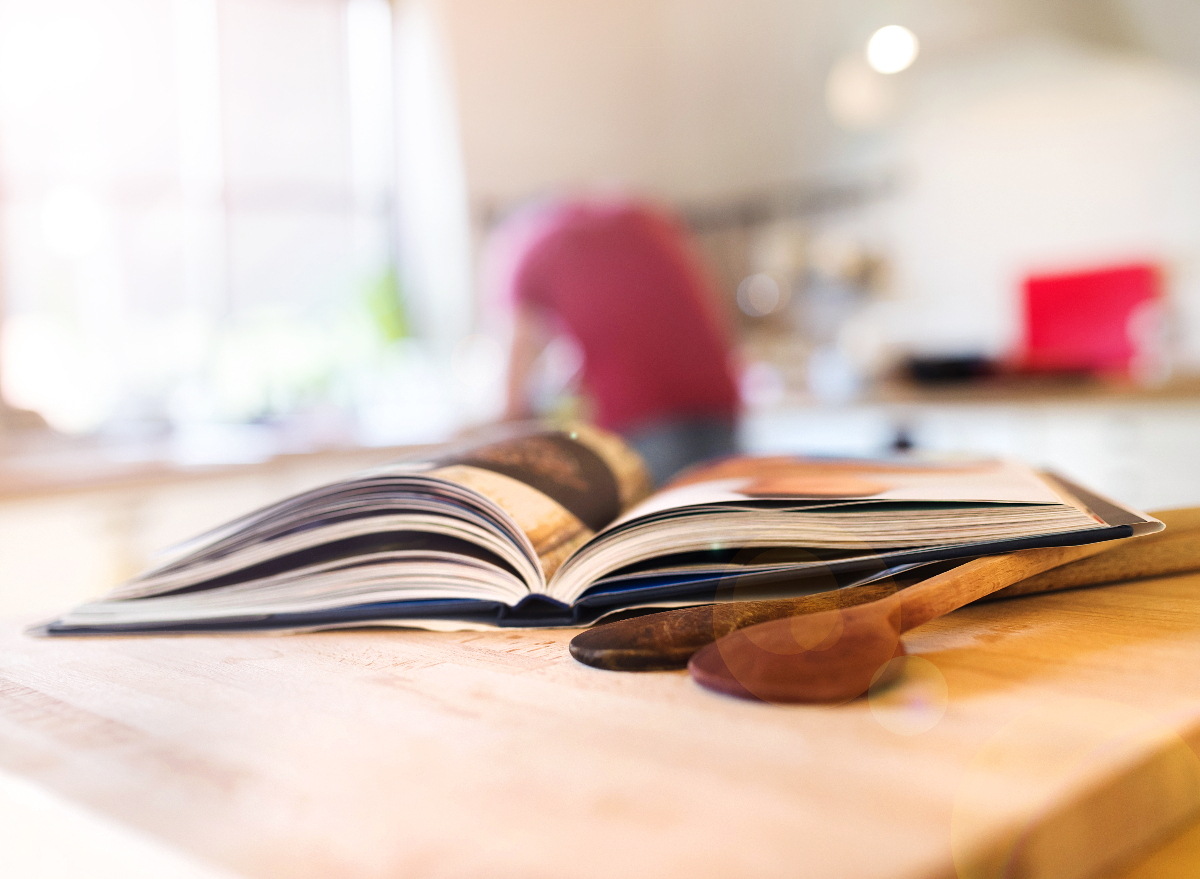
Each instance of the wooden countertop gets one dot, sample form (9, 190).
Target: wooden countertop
(1048, 389)
(81, 467)
(1050, 736)
(1001, 389)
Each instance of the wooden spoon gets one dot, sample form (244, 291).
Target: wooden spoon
(667, 640)
(833, 656)
(1173, 551)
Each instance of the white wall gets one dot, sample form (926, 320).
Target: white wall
(686, 98)
(1041, 155)
(679, 97)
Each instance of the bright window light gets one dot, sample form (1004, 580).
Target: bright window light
(186, 238)
(892, 49)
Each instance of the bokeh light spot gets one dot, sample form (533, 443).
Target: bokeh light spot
(915, 702)
(892, 49)
(758, 295)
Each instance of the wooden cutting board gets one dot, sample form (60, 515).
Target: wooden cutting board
(1048, 736)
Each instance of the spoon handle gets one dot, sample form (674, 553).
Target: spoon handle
(951, 590)
(1173, 551)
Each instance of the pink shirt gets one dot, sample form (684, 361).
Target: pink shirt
(620, 277)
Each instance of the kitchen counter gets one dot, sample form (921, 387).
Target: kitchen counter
(1047, 736)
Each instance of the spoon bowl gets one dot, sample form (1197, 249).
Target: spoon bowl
(829, 657)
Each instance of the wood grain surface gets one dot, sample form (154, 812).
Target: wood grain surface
(1050, 736)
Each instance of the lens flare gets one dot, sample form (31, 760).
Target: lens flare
(915, 703)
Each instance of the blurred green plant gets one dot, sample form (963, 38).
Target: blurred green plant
(384, 301)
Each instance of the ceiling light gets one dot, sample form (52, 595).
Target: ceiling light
(891, 49)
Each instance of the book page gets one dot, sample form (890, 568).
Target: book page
(841, 510)
(559, 487)
(552, 530)
(813, 481)
(528, 494)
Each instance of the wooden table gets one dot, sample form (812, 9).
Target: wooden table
(1048, 736)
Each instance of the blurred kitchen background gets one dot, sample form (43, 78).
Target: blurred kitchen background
(239, 239)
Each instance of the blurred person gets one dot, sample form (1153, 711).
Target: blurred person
(623, 280)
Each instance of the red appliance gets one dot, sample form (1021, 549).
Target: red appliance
(1091, 321)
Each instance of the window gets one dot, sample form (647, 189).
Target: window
(197, 218)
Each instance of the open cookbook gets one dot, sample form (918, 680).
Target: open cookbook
(542, 527)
